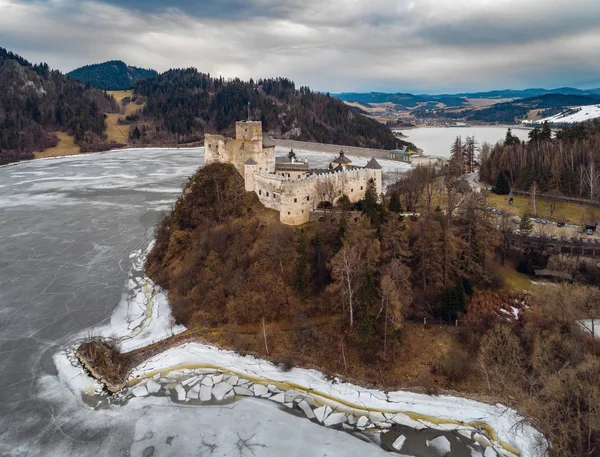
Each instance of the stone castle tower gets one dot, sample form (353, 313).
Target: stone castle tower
(247, 145)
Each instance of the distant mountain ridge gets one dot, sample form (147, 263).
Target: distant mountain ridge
(460, 99)
(111, 75)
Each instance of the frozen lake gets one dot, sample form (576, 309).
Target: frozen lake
(438, 140)
(68, 228)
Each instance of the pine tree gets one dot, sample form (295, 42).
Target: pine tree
(457, 157)
(395, 205)
(546, 133)
(525, 226)
(469, 153)
(502, 186)
(370, 205)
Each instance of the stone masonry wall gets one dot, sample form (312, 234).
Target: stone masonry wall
(296, 199)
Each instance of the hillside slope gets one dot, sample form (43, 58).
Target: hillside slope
(515, 111)
(571, 115)
(112, 75)
(36, 102)
(183, 104)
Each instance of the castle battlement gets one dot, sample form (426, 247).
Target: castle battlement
(288, 186)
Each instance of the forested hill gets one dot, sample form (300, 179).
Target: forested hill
(35, 102)
(182, 104)
(112, 75)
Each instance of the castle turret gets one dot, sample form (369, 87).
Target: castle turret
(341, 162)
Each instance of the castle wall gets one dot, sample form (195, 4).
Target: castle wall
(296, 199)
(249, 174)
(214, 149)
(268, 190)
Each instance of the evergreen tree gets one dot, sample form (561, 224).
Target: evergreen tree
(502, 186)
(454, 301)
(370, 205)
(526, 225)
(546, 133)
(457, 157)
(395, 206)
(344, 203)
(469, 153)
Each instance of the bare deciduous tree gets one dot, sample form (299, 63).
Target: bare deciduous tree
(534, 193)
(324, 193)
(346, 270)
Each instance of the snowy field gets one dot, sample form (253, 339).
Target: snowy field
(570, 116)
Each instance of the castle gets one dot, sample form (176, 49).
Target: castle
(287, 184)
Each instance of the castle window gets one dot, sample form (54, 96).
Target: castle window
(308, 198)
(302, 211)
(273, 196)
(361, 187)
(351, 190)
(288, 175)
(260, 192)
(288, 213)
(295, 200)
(267, 194)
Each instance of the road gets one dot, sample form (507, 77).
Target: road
(473, 180)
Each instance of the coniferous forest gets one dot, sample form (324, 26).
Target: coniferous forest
(111, 75)
(36, 101)
(182, 104)
(567, 162)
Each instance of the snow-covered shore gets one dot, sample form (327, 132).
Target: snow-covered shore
(195, 372)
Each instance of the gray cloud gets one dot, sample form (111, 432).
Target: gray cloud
(334, 45)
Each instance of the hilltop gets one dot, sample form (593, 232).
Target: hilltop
(183, 104)
(111, 75)
(37, 105)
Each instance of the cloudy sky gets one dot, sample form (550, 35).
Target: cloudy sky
(331, 45)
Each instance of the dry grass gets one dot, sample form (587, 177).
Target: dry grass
(512, 279)
(119, 95)
(114, 131)
(565, 211)
(66, 146)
